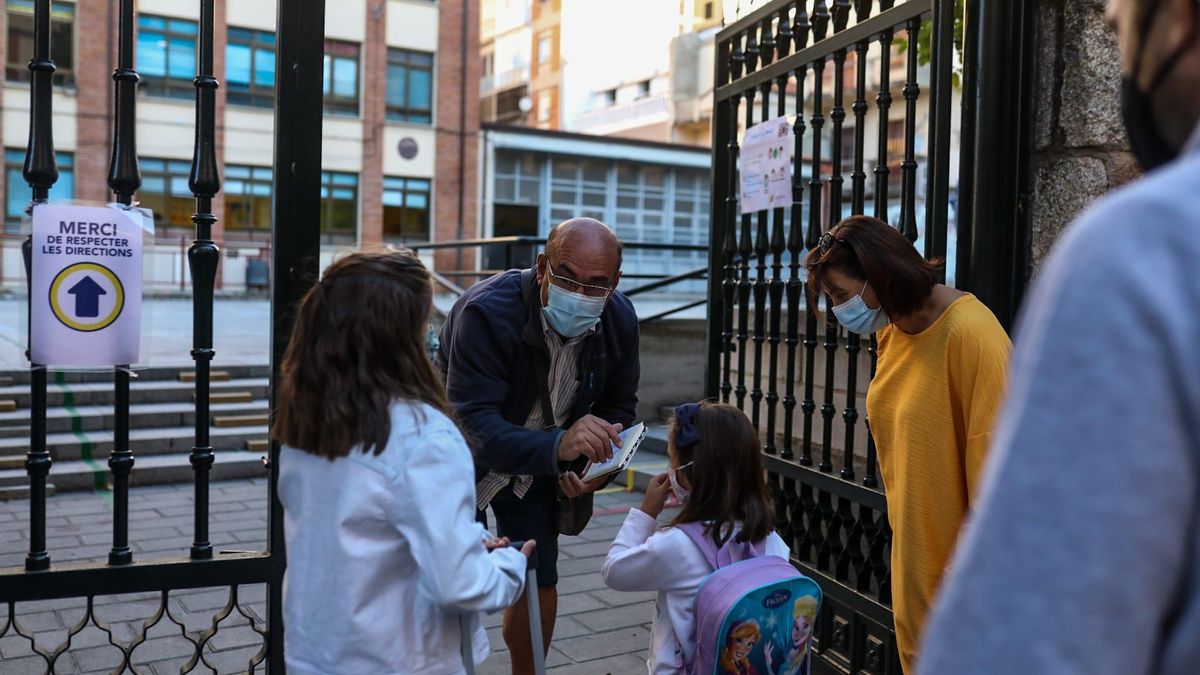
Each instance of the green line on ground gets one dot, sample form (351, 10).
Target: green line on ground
(99, 473)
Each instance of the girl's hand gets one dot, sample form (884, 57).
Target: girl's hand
(656, 495)
(770, 647)
(493, 544)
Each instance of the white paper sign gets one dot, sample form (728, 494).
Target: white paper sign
(86, 295)
(765, 166)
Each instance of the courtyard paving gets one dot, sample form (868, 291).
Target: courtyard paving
(599, 631)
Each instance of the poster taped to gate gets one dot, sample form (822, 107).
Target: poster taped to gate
(765, 166)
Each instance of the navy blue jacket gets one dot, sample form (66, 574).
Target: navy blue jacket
(487, 345)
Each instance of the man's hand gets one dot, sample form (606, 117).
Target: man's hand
(573, 486)
(589, 437)
(656, 495)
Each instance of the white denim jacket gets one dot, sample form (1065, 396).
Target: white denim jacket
(384, 554)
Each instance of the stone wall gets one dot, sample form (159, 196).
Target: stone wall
(1080, 151)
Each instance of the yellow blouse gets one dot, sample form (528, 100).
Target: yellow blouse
(932, 406)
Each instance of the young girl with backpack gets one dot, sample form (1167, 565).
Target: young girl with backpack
(716, 473)
(387, 568)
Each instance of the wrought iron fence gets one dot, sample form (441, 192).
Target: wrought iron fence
(295, 255)
(809, 60)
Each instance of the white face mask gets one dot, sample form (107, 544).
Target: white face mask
(678, 490)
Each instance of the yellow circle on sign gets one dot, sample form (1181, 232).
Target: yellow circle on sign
(65, 318)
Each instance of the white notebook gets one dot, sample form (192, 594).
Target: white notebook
(631, 438)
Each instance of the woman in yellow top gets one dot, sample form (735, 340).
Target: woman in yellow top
(943, 358)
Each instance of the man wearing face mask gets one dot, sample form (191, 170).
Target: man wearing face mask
(542, 367)
(1083, 557)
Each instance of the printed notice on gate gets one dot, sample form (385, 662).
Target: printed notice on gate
(765, 166)
(86, 295)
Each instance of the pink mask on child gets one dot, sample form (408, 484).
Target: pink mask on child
(678, 490)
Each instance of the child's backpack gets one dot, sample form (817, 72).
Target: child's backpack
(754, 614)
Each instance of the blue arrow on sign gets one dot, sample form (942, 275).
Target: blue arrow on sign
(87, 297)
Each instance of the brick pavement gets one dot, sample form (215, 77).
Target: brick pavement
(79, 530)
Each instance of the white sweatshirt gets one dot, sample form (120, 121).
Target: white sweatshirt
(384, 555)
(642, 558)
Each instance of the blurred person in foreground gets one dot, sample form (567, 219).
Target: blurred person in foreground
(1084, 554)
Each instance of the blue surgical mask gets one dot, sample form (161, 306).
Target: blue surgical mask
(572, 314)
(858, 318)
(681, 493)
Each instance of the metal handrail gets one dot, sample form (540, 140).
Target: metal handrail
(445, 279)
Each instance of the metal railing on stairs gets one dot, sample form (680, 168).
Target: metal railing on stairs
(499, 254)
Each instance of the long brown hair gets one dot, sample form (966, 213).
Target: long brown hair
(357, 346)
(727, 476)
(869, 249)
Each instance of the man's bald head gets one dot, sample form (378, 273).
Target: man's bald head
(585, 237)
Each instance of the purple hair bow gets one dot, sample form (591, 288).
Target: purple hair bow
(686, 433)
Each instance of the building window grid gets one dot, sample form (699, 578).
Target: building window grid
(339, 207)
(248, 200)
(251, 84)
(20, 41)
(341, 78)
(410, 86)
(407, 209)
(18, 193)
(165, 192)
(166, 56)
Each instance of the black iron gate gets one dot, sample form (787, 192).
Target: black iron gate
(295, 239)
(873, 132)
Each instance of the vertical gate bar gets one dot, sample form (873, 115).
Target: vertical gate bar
(795, 246)
(908, 196)
(841, 15)
(820, 20)
(720, 190)
(745, 250)
(816, 187)
(729, 248)
(40, 172)
(809, 406)
(937, 196)
(124, 179)
(883, 101)
(766, 42)
(858, 179)
(203, 258)
(295, 251)
(776, 290)
(850, 413)
(760, 279)
(783, 36)
(800, 27)
(870, 479)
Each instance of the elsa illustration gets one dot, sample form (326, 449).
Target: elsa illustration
(804, 615)
(735, 657)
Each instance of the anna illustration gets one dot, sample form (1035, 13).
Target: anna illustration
(804, 615)
(735, 657)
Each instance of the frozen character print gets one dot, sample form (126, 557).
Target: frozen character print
(804, 615)
(735, 656)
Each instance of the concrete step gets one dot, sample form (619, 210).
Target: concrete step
(11, 492)
(227, 421)
(8, 405)
(258, 445)
(141, 416)
(158, 441)
(140, 391)
(149, 470)
(230, 397)
(153, 373)
(213, 376)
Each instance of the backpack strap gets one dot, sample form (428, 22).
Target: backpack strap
(708, 547)
(719, 557)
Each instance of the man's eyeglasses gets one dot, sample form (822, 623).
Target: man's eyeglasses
(827, 242)
(568, 284)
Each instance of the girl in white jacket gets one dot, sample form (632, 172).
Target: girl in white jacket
(716, 472)
(384, 554)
